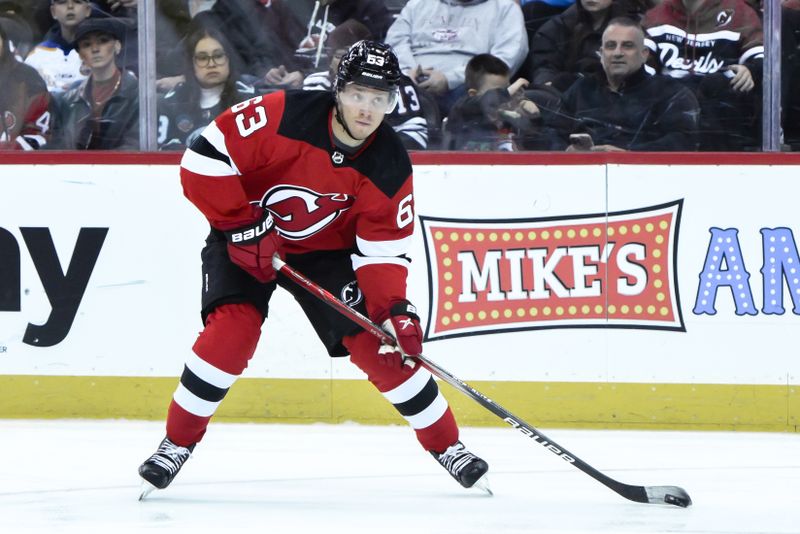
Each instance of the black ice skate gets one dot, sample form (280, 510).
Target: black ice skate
(160, 469)
(465, 467)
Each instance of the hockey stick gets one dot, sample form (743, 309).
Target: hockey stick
(645, 494)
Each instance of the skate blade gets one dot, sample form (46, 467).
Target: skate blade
(482, 484)
(145, 490)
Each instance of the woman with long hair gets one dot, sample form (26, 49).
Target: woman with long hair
(211, 86)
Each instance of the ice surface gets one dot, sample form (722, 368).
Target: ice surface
(80, 476)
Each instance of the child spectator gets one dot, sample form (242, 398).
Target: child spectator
(211, 86)
(55, 58)
(103, 111)
(495, 114)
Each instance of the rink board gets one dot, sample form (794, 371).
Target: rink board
(588, 293)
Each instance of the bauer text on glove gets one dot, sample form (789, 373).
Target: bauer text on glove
(252, 247)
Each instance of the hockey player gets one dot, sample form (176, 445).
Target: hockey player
(320, 179)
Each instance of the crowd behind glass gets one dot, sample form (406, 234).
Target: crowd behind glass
(480, 75)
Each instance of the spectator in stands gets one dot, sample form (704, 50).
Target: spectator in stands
(23, 10)
(270, 44)
(13, 7)
(495, 114)
(24, 102)
(624, 108)
(434, 40)
(537, 12)
(211, 86)
(336, 44)
(371, 13)
(286, 32)
(125, 12)
(118, 8)
(39, 11)
(416, 116)
(241, 22)
(265, 41)
(55, 58)
(715, 47)
(309, 42)
(103, 111)
(328, 14)
(566, 47)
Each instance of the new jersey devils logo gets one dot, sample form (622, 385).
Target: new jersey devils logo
(301, 212)
(724, 17)
(351, 294)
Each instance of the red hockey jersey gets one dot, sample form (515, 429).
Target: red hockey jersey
(277, 152)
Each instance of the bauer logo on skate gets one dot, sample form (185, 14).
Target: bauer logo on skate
(580, 271)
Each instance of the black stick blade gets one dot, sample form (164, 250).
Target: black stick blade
(668, 495)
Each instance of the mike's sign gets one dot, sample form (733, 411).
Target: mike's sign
(616, 269)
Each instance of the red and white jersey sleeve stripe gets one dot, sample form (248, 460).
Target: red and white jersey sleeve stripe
(210, 156)
(213, 166)
(377, 252)
(383, 239)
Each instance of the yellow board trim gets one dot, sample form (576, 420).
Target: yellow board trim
(551, 404)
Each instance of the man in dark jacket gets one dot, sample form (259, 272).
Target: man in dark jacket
(624, 108)
(565, 47)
